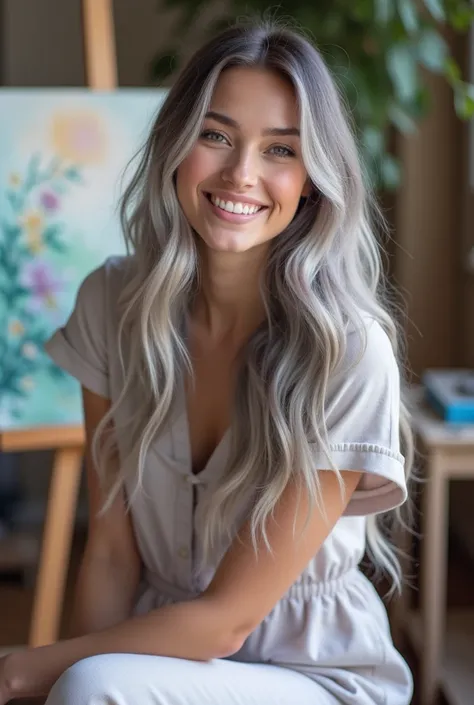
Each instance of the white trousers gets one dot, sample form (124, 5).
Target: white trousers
(131, 679)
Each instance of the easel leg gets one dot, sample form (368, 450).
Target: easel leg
(55, 552)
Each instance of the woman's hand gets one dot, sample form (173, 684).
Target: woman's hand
(24, 673)
(28, 673)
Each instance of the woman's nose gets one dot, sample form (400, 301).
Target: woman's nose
(241, 170)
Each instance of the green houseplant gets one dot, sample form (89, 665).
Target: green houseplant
(377, 49)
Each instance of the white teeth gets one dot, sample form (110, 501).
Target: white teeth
(239, 208)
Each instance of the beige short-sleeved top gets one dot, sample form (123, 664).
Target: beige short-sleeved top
(331, 621)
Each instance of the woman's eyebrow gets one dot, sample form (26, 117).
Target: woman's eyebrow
(271, 131)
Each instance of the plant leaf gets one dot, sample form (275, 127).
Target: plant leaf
(372, 140)
(402, 68)
(390, 171)
(461, 17)
(401, 119)
(72, 173)
(452, 70)
(408, 15)
(383, 11)
(432, 50)
(436, 8)
(361, 11)
(163, 65)
(464, 101)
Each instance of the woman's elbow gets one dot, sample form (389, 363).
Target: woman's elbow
(230, 644)
(236, 635)
(228, 633)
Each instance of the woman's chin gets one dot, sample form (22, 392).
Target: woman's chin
(228, 243)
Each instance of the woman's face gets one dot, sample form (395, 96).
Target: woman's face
(242, 182)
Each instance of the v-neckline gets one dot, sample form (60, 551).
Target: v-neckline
(186, 436)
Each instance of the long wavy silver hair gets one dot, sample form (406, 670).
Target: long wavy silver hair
(323, 273)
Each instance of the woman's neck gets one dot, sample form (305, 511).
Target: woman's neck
(229, 306)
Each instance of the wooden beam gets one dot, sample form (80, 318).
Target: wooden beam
(99, 44)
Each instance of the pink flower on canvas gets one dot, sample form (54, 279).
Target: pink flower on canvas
(79, 136)
(49, 201)
(43, 283)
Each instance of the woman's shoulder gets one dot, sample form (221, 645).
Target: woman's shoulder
(368, 348)
(111, 275)
(369, 330)
(103, 287)
(99, 297)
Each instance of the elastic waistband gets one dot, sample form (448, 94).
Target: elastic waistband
(304, 589)
(307, 587)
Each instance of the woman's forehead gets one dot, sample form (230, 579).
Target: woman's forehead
(259, 97)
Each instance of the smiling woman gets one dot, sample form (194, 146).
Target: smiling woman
(243, 408)
(242, 170)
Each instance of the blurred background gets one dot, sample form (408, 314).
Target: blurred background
(405, 68)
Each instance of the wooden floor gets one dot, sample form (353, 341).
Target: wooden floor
(16, 601)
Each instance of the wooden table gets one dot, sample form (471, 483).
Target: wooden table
(68, 444)
(443, 640)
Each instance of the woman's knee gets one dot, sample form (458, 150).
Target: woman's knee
(87, 682)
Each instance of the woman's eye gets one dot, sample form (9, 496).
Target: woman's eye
(280, 151)
(213, 136)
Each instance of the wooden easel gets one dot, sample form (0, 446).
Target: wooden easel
(67, 442)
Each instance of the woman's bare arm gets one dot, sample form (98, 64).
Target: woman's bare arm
(110, 568)
(215, 624)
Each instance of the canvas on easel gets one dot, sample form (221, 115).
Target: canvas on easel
(61, 173)
(64, 152)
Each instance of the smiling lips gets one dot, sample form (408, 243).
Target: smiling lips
(234, 210)
(231, 207)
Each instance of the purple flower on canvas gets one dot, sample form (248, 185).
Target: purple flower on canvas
(44, 284)
(49, 201)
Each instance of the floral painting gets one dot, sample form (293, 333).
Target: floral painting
(65, 156)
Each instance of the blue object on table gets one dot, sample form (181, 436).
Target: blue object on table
(450, 392)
